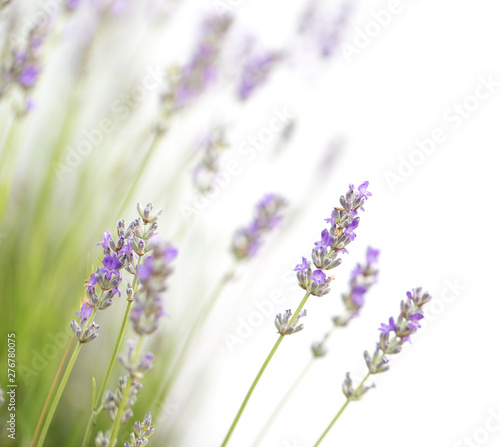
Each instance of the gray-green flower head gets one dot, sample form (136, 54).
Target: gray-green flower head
(142, 433)
(285, 326)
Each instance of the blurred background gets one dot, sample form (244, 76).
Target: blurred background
(204, 107)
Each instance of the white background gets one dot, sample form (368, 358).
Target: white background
(434, 228)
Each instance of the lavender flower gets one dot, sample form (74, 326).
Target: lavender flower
(206, 171)
(282, 322)
(153, 274)
(120, 255)
(136, 368)
(255, 69)
(187, 83)
(24, 65)
(392, 338)
(142, 432)
(112, 400)
(363, 277)
(343, 222)
(247, 240)
(323, 30)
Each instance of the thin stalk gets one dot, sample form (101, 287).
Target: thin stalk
(121, 409)
(96, 410)
(62, 385)
(152, 146)
(318, 442)
(47, 401)
(261, 371)
(282, 403)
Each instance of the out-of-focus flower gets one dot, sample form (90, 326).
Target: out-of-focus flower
(190, 80)
(247, 240)
(256, 68)
(206, 171)
(322, 28)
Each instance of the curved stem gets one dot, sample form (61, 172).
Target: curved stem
(50, 392)
(138, 175)
(123, 403)
(261, 371)
(318, 442)
(288, 394)
(62, 385)
(282, 403)
(96, 410)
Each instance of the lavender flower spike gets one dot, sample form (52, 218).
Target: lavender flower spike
(394, 335)
(247, 240)
(141, 434)
(343, 221)
(153, 274)
(363, 277)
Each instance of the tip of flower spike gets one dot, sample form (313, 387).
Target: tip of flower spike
(363, 190)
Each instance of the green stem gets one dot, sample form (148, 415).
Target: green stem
(282, 403)
(261, 371)
(62, 385)
(97, 409)
(318, 442)
(138, 175)
(121, 409)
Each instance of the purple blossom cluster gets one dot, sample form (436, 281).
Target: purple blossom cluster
(142, 432)
(206, 171)
(268, 214)
(201, 70)
(363, 277)
(255, 69)
(111, 403)
(392, 338)
(324, 29)
(153, 274)
(147, 310)
(343, 221)
(24, 65)
(118, 255)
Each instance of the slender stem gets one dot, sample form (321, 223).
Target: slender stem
(96, 410)
(282, 403)
(318, 442)
(194, 330)
(121, 409)
(138, 175)
(261, 371)
(47, 401)
(62, 385)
